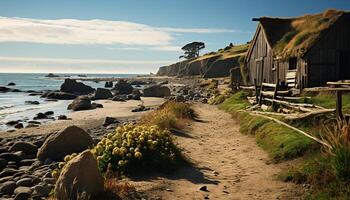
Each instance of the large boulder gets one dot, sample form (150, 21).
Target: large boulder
(156, 91)
(59, 95)
(83, 172)
(80, 103)
(67, 141)
(122, 87)
(72, 86)
(102, 93)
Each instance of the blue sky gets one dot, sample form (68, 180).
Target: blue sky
(128, 36)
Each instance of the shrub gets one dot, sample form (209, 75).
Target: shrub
(136, 147)
(338, 137)
(170, 115)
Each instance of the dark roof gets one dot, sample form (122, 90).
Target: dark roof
(295, 36)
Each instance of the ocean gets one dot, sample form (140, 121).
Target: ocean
(13, 106)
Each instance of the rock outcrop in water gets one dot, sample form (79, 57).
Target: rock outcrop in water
(72, 86)
(211, 65)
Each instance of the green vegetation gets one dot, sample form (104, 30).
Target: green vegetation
(326, 173)
(328, 101)
(279, 141)
(141, 147)
(304, 31)
(170, 115)
(136, 147)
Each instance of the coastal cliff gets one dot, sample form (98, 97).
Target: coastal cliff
(210, 65)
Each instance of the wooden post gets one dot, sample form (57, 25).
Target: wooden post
(339, 105)
(261, 89)
(256, 90)
(275, 94)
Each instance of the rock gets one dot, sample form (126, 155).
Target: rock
(12, 123)
(22, 189)
(34, 122)
(27, 162)
(26, 147)
(102, 93)
(156, 91)
(32, 102)
(119, 98)
(32, 126)
(10, 157)
(140, 108)
(136, 95)
(4, 89)
(3, 163)
(67, 141)
(110, 120)
(25, 182)
(204, 188)
(83, 171)
(51, 75)
(60, 95)
(122, 87)
(8, 172)
(11, 84)
(96, 105)
(138, 82)
(204, 100)
(22, 196)
(8, 187)
(62, 117)
(49, 113)
(179, 98)
(80, 103)
(108, 84)
(43, 190)
(40, 116)
(72, 86)
(19, 126)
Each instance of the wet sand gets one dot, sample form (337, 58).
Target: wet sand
(90, 118)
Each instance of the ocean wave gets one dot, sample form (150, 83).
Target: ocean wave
(7, 106)
(14, 111)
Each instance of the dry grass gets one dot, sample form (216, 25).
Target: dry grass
(119, 188)
(170, 115)
(304, 31)
(338, 136)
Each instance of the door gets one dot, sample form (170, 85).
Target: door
(259, 71)
(344, 65)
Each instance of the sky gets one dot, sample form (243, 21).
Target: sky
(128, 36)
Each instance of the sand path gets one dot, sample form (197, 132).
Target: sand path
(229, 163)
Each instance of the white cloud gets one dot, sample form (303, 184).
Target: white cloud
(167, 48)
(68, 65)
(96, 31)
(154, 48)
(82, 61)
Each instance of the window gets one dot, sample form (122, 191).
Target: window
(292, 63)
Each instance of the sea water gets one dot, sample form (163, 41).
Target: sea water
(13, 106)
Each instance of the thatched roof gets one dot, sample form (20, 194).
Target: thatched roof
(295, 36)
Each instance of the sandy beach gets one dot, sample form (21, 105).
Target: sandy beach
(90, 118)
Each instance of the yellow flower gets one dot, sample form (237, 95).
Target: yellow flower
(138, 154)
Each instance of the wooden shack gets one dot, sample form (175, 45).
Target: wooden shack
(301, 52)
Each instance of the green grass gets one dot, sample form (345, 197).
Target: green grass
(316, 171)
(315, 168)
(328, 101)
(279, 141)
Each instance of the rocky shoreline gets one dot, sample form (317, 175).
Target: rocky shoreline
(83, 96)
(23, 175)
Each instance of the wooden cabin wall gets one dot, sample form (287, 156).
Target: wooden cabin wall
(260, 60)
(329, 59)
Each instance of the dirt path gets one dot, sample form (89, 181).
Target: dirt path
(229, 163)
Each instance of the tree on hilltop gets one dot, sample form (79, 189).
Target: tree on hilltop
(192, 49)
